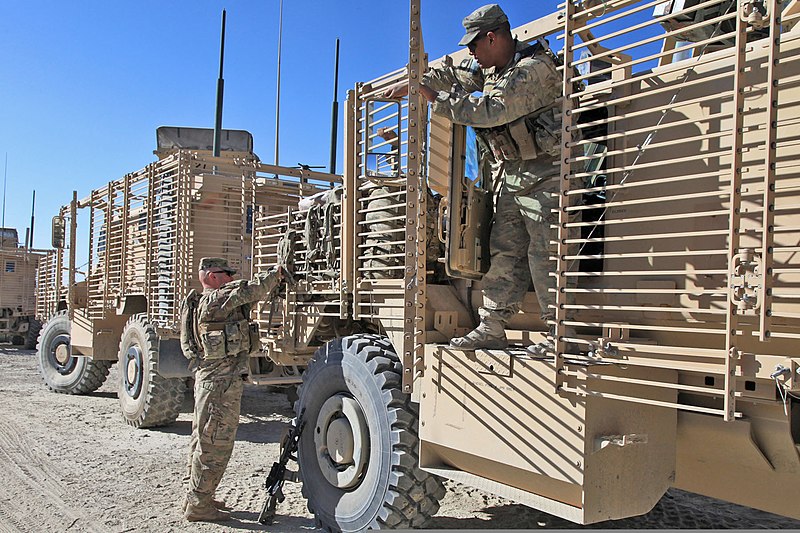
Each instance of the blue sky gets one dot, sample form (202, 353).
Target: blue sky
(85, 84)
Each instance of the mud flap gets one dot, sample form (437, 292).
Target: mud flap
(171, 362)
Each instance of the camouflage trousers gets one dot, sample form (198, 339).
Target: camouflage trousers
(217, 403)
(520, 252)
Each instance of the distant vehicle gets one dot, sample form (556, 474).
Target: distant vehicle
(18, 266)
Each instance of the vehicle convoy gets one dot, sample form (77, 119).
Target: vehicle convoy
(146, 234)
(18, 264)
(678, 234)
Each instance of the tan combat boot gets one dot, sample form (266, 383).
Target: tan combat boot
(219, 504)
(489, 335)
(547, 347)
(207, 513)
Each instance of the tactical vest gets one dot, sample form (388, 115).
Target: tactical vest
(216, 340)
(534, 135)
(223, 339)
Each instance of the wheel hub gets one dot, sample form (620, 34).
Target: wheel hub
(132, 372)
(341, 437)
(61, 355)
(340, 441)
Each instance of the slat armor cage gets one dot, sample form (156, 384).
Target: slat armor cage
(146, 233)
(694, 219)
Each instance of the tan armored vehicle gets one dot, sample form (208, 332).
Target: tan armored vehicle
(18, 264)
(678, 235)
(146, 233)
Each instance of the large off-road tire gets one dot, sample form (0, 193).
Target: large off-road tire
(147, 399)
(358, 450)
(34, 327)
(62, 372)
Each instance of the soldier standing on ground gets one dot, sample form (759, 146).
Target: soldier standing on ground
(515, 121)
(216, 332)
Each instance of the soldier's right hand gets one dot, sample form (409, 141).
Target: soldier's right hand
(398, 91)
(285, 275)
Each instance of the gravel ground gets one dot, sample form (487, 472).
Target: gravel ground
(69, 463)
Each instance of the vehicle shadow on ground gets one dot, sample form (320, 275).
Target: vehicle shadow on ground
(248, 521)
(260, 431)
(103, 394)
(179, 427)
(512, 516)
(676, 510)
(251, 429)
(516, 516)
(13, 350)
(257, 424)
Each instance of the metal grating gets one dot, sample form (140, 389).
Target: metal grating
(680, 171)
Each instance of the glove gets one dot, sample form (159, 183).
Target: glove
(287, 276)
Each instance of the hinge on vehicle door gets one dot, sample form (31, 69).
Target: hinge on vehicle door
(745, 282)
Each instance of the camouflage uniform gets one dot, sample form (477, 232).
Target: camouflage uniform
(526, 189)
(222, 335)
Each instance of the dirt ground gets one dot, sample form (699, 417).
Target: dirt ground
(69, 463)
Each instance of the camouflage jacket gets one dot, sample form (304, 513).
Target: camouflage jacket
(230, 305)
(525, 87)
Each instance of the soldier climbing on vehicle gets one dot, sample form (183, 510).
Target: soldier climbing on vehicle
(518, 130)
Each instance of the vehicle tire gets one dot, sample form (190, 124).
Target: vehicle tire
(147, 399)
(358, 450)
(62, 372)
(34, 327)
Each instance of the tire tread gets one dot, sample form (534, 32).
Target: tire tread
(94, 373)
(163, 396)
(413, 495)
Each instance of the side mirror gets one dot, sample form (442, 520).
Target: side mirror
(58, 232)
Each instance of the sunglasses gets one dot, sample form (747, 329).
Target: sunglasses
(219, 272)
(472, 45)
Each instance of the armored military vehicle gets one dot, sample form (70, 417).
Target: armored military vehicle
(18, 264)
(146, 233)
(678, 233)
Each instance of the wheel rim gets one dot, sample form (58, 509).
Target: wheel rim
(60, 355)
(341, 438)
(132, 371)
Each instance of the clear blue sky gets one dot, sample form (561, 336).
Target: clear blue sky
(85, 84)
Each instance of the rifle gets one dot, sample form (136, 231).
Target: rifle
(278, 473)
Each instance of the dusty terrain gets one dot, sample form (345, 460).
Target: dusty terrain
(69, 463)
